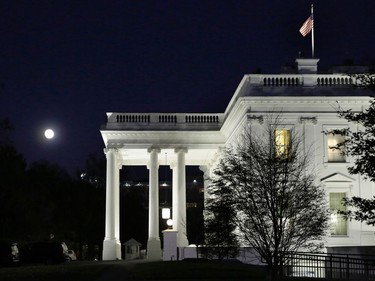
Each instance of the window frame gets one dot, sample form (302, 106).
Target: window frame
(339, 183)
(289, 129)
(327, 128)
(346, 234)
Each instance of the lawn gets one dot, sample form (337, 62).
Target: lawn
(97, 271)
(197, 270)
(69, 271)
(135, 270)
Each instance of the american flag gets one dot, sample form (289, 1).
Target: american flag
(307, 26)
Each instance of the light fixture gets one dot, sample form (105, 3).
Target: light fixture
(166, 213)
(170, 223)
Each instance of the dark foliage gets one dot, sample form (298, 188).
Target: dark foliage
(220, 240)
(361, 146)
(5, 128)
(44, 201)
(363, 209)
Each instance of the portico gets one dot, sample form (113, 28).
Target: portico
(192, 139)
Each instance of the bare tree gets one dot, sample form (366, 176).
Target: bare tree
(278, 205)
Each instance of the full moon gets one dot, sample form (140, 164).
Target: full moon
(49, 134)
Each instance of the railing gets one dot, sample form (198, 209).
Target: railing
(289, 80)
(329, 266)
(282, 81)
(334, 81)
(204, 118)
(132, 118)
(164, 120)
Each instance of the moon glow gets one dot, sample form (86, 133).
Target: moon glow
(49, 134)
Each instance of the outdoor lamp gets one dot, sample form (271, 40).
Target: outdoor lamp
(165, 213)
(170, 223)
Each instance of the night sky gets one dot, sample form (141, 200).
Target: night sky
(64, 64)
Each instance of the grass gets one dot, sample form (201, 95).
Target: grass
(174, 270)
(139, 270)
(70, 272)
(196, 270)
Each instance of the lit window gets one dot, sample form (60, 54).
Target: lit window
(335, 155)
(282, 142)
(339, 226)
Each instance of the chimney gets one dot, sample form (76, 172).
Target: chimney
(307, 66)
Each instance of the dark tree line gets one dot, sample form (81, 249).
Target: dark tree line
(43, 201)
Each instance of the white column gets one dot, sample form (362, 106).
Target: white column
(111, 243)
(180, 174)
(153, 243)
(117, 205)
(175, 203)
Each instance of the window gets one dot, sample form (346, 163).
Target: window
(282, 142)
(339, 226)
(335, 155)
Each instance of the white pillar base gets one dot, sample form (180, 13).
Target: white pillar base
(170, 245)
(154, 249)
(111, 250)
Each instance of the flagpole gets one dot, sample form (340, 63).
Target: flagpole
(312, 30)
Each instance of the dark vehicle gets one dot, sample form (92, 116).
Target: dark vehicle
(9, 254)
(44, 252)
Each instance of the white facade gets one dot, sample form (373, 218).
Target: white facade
(308, 102)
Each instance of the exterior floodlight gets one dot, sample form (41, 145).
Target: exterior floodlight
(165, 213)
(170, 222)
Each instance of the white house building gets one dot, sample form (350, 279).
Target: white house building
(308, 102)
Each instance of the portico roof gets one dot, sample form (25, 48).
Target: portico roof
(133, 134)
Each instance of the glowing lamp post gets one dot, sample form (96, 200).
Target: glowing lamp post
(170, 223)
